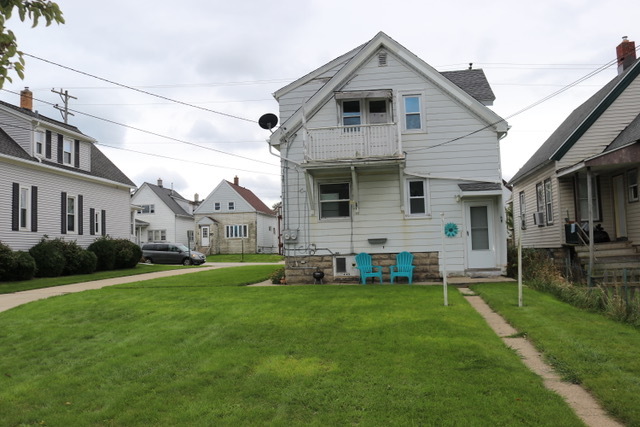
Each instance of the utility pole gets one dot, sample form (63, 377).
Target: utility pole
(65, 99)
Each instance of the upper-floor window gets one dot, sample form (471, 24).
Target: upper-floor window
(39, 142)
(334, 200)
(67, 151)
(147, 209)
(367, 111)
(232, 206)
(417, 195)
(351, 113)
(216, 206)
(632, 184)
(412, 105)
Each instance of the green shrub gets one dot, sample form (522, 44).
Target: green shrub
(71, 252)
(105, 252)
(87, 262)
(22, 267)
(6, 255)
(127, 253)
(50, 261)
(277, 276)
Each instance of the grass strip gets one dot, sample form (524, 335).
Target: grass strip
(584, 347)
(205, 351)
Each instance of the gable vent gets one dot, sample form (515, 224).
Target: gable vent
(382, 59)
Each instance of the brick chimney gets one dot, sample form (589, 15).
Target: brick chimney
(160, 182)
(626, 52)
(26, 99)
(236, 180)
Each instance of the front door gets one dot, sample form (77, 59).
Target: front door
(204, 235)
(619, 212)
(480, 235)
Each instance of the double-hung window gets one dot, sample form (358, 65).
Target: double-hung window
(632, 184)
(548, 195)
(232, 206)
(583, 201)
(413, 112)
(96, 221)
(24, 208)
(72, 214)
(351, 113)
(523, 211)
(67, 151)
(334, 200)
(39, 142)
(216, 206)
(417, 197)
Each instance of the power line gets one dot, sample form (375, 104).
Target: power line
(153, 133)
(138, 90)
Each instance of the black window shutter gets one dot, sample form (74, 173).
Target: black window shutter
(48, 145)
(80, 215)
(76, 151)
(92, 221)
(15, 207)
(63, 205)
(34, 208)
(103, 218)
(60, 144)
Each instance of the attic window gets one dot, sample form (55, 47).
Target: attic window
(382, 59)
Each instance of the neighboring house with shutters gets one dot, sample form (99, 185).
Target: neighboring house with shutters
(163, 215)
(375, 146)
(585, 175)
(233, 220)
(55, 182)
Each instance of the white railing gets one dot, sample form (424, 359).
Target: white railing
(352, 142)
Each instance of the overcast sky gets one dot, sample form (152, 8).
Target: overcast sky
(229, 57)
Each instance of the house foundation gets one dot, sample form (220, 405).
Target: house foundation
(299, 270)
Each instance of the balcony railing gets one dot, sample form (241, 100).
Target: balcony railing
(352, 142)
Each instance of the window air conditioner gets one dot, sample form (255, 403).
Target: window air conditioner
(538, 219)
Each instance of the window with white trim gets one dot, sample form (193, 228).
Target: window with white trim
(236, 231)
(334, 200)
(632, 184)
(523, 211)
(145, 209)
(157, 235)
(72, 214)
(67, 151)
(39, 142)
(216, 206)
(24, 208)
(548, 196)
(583, 203)
(369, 111)
(417, 197)
(412, 112)
(96, 222)
(232, 206)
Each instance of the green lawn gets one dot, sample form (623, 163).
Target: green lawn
(47, 282)
(200, 350)
(587, 348)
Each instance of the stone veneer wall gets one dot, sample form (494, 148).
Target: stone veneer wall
(426, 268)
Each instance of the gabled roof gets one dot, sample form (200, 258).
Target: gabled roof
(101, 166)
(629, 135)
(350, 62)
(168, 197)
(474, 82)
(577, 123)
(251, 198)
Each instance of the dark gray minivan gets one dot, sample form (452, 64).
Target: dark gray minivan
(171, 253)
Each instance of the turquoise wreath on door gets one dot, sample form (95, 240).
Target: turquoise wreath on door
(451, 230)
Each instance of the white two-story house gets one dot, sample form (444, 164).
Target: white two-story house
(55, 182)
(381, 153)
(163, 215)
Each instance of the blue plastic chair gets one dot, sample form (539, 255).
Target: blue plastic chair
(363, 261)
(403, 267)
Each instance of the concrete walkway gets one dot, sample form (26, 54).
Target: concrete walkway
(8, 301)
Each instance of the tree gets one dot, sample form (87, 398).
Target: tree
(10, 56)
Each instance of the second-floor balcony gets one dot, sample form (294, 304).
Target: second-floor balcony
(360, 142)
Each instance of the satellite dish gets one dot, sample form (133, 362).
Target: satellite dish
(268, 121)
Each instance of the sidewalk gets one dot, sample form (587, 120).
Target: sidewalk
(8, 301)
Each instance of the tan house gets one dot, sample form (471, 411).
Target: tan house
(579, 192)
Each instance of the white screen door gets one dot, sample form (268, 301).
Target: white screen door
(480, 245)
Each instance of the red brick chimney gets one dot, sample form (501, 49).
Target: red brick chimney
(626, 52)
(26, 99)
(236, 180)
